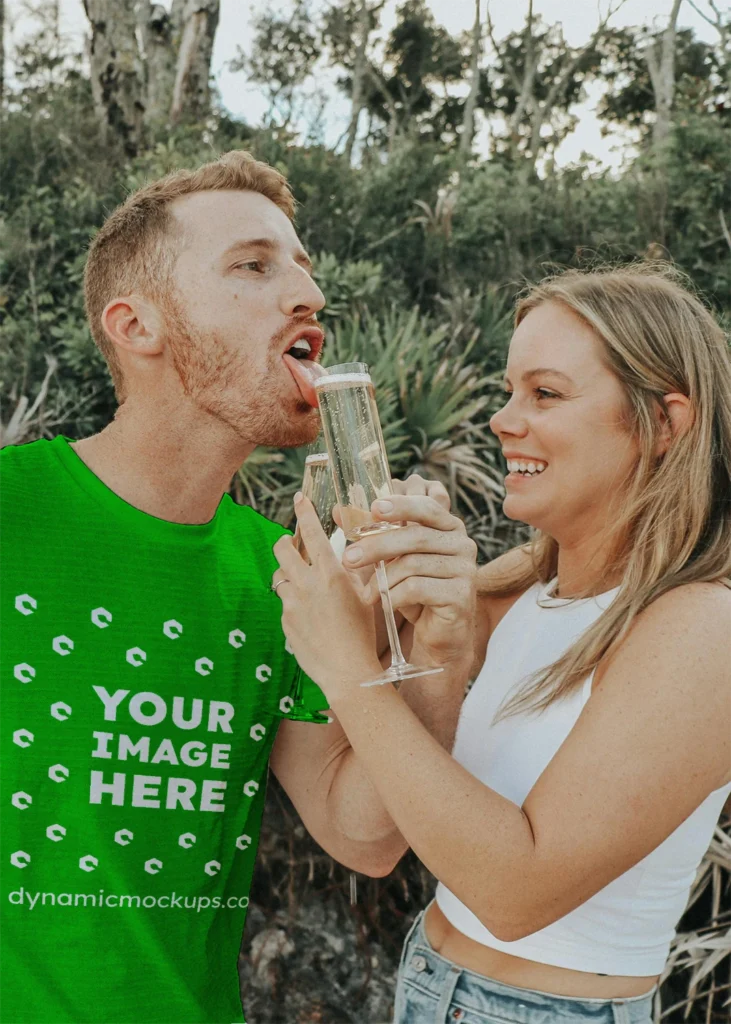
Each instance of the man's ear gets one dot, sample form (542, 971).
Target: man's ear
(134, 324)
(675, 419)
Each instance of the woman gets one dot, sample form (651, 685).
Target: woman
(593, 753)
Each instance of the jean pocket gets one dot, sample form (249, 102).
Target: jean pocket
(413, 1005)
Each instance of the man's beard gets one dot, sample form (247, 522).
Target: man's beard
(223, 383)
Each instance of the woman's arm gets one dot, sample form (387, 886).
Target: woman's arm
(650, 745)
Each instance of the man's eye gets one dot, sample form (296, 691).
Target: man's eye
(545, 393)
(250, 265)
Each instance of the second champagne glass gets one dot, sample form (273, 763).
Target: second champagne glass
(360, 473)
(317, 485)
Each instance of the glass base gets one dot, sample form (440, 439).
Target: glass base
(397, 673)
(306, 716)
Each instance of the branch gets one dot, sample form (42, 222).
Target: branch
(724, 228)
(573, 64)
(717, 23)
(509, 66)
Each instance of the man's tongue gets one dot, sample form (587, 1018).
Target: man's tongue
(303, 371)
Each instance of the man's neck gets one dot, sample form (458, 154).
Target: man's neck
(170, 465)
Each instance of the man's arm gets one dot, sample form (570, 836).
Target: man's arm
(316, 765)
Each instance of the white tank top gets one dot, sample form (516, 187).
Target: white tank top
(627, 926)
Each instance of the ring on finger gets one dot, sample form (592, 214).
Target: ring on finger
(278, 584)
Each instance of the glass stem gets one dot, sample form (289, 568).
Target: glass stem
(397, 657)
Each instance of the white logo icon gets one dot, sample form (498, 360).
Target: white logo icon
(135, 656)
(263, 673)
(172, 628)
(57, 773)
(25, 604)
(21, 800)
(257, 732)
(236, 638)
(24, 672)
(88, 863)
(152, 866)
(204, 666)
(22, 738)
(56, 833)
(251, 787)
(288, 646)
(285, 705)
(186, 840)
(243, 842)
(63, 645)
(101, 617)
(60, 711)
(19, 859)
(212, 867)
(124, 837)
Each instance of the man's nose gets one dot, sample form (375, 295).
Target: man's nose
(303, 297)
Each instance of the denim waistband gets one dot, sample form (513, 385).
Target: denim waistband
(447, 983)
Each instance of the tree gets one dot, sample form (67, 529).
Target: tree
(541, 77)
(699, 87)
(408, 91)
(723, 27)
(468, 121)
(2, 49)
(660, 57)
(116, 71)
(283, 53)
(344, 25)
(165, 80)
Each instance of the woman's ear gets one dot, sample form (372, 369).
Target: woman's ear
(676, 417)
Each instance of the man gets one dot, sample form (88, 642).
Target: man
(145, 673)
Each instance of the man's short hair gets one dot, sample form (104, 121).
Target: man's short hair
(135, 249)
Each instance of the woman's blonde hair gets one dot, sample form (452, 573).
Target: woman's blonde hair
(675, 526)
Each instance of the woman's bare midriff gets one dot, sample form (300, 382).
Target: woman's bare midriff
(453, 945)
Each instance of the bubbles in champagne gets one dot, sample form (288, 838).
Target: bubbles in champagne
(353, 432)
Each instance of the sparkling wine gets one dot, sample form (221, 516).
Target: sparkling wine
(317, 485)
(353, 431)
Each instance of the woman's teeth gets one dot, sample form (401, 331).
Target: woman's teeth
(526, 468)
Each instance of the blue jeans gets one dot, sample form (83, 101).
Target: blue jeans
(432, 990)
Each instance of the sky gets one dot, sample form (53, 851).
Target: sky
(578, 17)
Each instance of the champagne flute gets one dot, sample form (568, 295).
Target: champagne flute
(360, 473)
(317, 485)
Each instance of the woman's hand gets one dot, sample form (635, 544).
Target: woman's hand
(431, 569)
(324, 617)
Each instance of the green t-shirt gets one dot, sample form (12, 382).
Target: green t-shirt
(144, 674)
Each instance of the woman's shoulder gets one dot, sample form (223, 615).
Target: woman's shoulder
(689, 624)
(697, 603)
(493, 600)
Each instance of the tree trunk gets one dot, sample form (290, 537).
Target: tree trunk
(526, 99)
(359, 73)
(116, 71)
(191, 89)
(662, 75)
(468, 121)
(160, 34)
(165, 79)
(2, 50)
